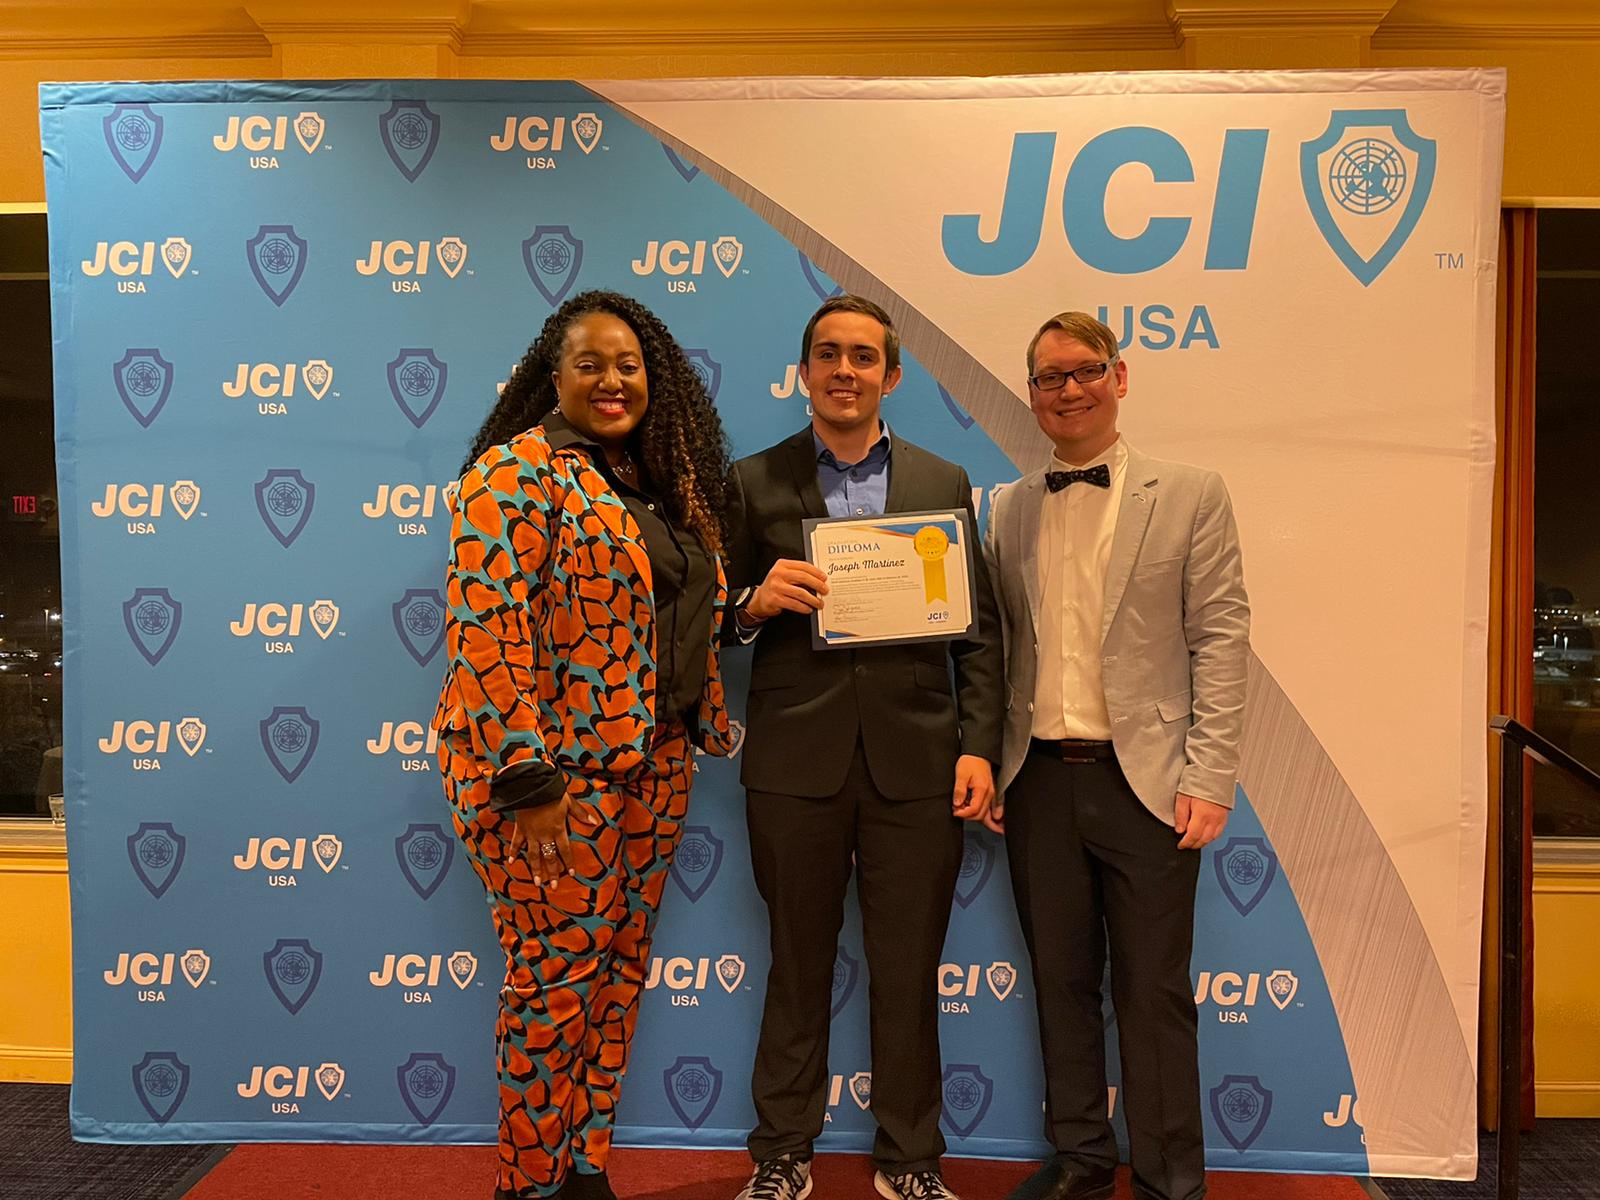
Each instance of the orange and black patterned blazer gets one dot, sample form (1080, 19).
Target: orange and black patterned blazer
(551, 627)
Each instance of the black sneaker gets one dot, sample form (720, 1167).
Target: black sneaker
(785, 1178)
(912, 1185)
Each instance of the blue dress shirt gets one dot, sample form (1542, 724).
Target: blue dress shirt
(858, 489)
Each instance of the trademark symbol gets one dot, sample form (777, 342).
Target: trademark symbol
(1450, 262)
(336, 395)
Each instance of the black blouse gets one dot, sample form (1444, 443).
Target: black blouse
(683, 587)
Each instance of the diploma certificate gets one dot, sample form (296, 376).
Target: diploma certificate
(898, 577)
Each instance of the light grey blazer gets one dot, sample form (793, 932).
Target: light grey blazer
(1175, 638)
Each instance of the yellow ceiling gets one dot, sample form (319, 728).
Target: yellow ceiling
(31, 28)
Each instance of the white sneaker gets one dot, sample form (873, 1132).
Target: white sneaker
(912, 1185)
(785, 1178)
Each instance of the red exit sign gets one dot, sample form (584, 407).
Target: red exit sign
(26, 506)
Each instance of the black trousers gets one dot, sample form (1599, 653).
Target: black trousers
(1092, 870)
(906, 855)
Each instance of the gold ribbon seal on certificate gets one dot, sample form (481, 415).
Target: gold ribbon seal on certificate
(931, 545)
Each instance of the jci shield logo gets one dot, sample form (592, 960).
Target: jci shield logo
(424, 852)
(324, 616)
(327, 850)
(318, 377)
(410, 131)
(730, 972)
(185, 496)
(133, 131)
(289, 736)
(697, 862)
(586, 129)
(293, 969)
(727, 252)
(1241, 1108)
(175, 256)
(196, 966)
(463, 966)
(419, 620)
(707, 368)
(330, 1080)
(156, 851)
(686, 169)
(1245, 868)
(861, 1089)
(277, 257)
(452, 255)
(693, 1088)
(152, 618)
(1281, 987)
(416, 381)
(967, 1093)
(1367, 179)
(160, 1080)
(191, 735)
(1001, 978)
(553, 258)
(308, 131)
(846, 971)
(426, 1082)
(824, 287)
(144, 381)
(977, 864)
(284, 499)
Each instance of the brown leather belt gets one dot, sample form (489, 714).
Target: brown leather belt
(1072, 750)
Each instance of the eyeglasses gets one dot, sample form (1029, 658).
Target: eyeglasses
(1052, 381)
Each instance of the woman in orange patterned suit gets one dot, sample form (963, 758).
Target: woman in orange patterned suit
(585, 594)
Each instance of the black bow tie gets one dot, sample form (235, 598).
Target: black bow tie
(1099, 476)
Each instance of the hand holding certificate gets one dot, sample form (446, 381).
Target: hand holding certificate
(899, 577)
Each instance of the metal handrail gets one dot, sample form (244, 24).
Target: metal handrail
(1546, 751)
(1521, 740)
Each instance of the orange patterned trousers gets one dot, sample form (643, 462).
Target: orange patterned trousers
(576, 955)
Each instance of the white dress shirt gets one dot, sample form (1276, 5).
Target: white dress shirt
(1075, 531)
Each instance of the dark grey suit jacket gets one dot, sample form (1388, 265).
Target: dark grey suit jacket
(916, 707)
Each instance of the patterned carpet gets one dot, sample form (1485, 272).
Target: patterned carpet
(40, 1161)
(309, 1172)
(1560, 1161)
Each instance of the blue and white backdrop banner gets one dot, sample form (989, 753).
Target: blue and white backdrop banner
(282, 309)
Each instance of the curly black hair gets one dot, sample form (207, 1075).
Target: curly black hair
(680, 440)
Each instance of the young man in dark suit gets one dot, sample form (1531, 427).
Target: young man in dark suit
(867, 758)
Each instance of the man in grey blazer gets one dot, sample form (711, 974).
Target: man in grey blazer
(1126, 636)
